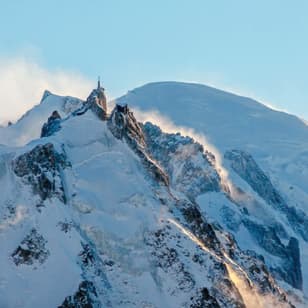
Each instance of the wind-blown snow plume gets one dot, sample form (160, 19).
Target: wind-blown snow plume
(169, 127)
(251, 298)
(23, 82)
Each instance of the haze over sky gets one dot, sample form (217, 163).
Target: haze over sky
(255, 48)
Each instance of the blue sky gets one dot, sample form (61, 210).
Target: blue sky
(256, 48)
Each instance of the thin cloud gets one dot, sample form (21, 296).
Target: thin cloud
(24, 81)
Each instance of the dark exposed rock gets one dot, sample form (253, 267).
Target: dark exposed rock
(32, 249)
(269, 239)
(169, 255)
(198, 225)
(52, 126)
(92, 269)
(290, 268)
(168, 260)
(97, 103)
(10, 210)
(87, 256)
(298, 221)
(124, 125)
(290, 271)
(295, 265)
(227, 294)
(255, 264)
(246, 167)
(190, 168)
(41, 169)
(85, 297)
(65, 226)
(203, 299)
(266, 238)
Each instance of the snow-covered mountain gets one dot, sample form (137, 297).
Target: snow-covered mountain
(188, 197)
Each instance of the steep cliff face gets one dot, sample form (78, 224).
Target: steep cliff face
(97, 103)
(32, 249)
(136, 217)
(277, 141)
(52, 125)
(287, 266)
(41, 168)
(124, 125)
(189, 166)
(246, 167)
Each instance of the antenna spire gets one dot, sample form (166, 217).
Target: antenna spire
(98, 82)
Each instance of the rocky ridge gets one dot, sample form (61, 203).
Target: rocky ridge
(179, 170)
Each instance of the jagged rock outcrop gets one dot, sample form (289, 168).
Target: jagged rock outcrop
(191, 170)
(93, 271)
(123, 125)
(131, 233)
(278, 259)
(260, 276)
(189, 166)
(85, 297)
(97, 102)
(52, 126)
(294, 262)
(41, 168)
(289, 267)
(210, 236)
(246, 167)
(203, 299)
(31, 250)
(176, 263)
(198, 224)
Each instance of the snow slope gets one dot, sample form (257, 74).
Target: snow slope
(112, 213)
(228, 120)
(29, 126)
(277, 141)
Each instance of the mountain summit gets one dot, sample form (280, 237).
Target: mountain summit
(132, 207)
